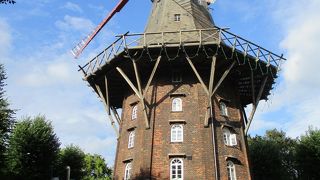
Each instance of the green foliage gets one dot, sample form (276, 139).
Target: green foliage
(6, 120)
(7, 2)
(71, 156)
(96, 168)
(272, 156)
(308, 155)
(33, 148)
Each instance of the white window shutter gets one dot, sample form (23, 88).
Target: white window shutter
(233, 138)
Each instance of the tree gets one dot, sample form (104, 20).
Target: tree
(272, 156)
(308, 155)
(7, 1)
(96, 168)
(33, 148)
(6, 120)
(73, 157)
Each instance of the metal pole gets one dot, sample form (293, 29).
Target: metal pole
(68, 172)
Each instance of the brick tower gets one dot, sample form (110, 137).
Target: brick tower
(182, 86)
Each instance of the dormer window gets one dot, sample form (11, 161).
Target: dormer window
(177, 17)
(223, 109)
(229, 138)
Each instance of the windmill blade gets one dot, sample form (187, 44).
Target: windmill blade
(77, 50)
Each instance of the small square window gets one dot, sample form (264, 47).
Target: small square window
(177, 17)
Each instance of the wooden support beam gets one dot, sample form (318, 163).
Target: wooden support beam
(255, 104)
(107, 107)
(141, 96)
(116, 115)
(125, 77)
(107, 94)
(212, 73)
(151, 76)
(112, 123)
(225, 74)
(244, 115)
(198, 76)
(211, 81)
(253, 88)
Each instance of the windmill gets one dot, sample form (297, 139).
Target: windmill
(182, 85)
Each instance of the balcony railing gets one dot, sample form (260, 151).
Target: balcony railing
(198, 37)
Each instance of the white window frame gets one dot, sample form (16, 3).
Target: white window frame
(223, 109)
(229, 139)
(131, 139)
(176, 105)
(177, 17)
(177, 133)
(231, 170)
(174, 165)
(127, 171)
(134, 112)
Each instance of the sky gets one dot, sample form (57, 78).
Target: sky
(36, 37)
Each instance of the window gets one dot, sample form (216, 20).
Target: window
(127, 171)
(131, 139)
(229, 138)
(176, 104)
(176, 169)
(231, 171)
(134, 112)
(177, 133)
(223, 109)
(176, 77)
(177, 17)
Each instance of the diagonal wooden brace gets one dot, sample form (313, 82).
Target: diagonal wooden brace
(225, 74)
(137, 92)
(107, 107)
(140, 91)
(198, 76)
(151, 76)
(255, 104)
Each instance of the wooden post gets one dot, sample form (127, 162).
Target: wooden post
(107, 107)
(211, 81)
(151, 76)
(225, 74)
(198, 76)
(255, 104)
(141, 96)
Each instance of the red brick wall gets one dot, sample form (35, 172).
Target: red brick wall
(150, 155)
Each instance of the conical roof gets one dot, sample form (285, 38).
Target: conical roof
(176, 15)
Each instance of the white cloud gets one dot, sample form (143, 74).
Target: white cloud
(5, 38)
(75, 23)
(298, 95)
(72, 6)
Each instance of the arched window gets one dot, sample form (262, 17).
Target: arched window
(223, 109)
(231, 171)
(176, 169)
(177, 133)
(131, 139)
(134, 112)
(127, 171)
(229, 138)
(176, 104)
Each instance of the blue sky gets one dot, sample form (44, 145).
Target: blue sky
(36, 36)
